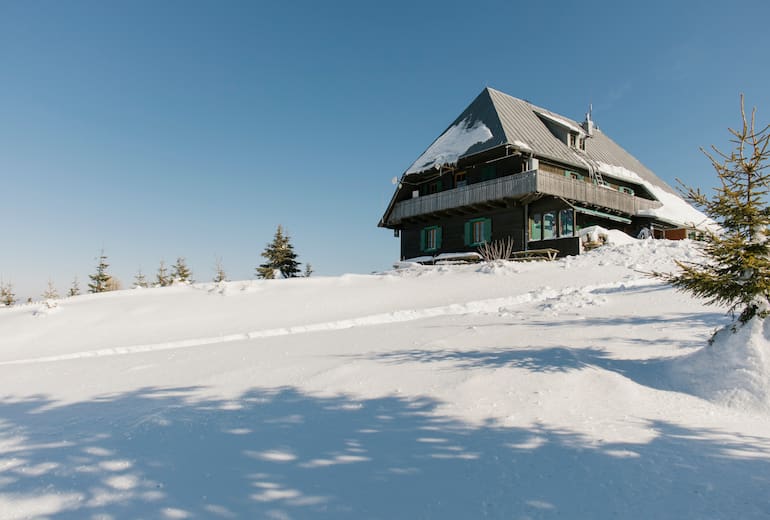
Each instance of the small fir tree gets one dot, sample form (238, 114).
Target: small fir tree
(100, 279)
(162, 279)
(308, 270)
(74, 288)
(182, 273)
(219, 272)
(140, 281)
(51, 293)
(736, 268)
(7, 296)
(280, 257)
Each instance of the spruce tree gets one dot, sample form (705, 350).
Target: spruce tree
(100, 280)
(280, 257)
(308, 270)
(182, 273)
(7, 296)
(140, 281)
(162, 279)
(74, 288)
(51, 293)
(220, 275)
(736, 268)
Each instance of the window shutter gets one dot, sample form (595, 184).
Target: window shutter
(438, 186)
(438, 237)
(487, 230)
(468, 237)
(422, 240)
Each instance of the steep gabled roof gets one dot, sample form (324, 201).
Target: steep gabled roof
(496, 119)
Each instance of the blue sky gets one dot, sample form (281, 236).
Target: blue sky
(182, 128)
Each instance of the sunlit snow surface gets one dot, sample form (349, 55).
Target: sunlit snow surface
(453, 143)
(570, 389)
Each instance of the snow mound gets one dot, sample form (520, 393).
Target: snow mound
(598, 234)
(734, 370)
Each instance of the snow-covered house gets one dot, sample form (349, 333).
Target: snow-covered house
(507, 168)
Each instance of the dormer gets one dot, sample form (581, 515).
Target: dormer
(569, 133)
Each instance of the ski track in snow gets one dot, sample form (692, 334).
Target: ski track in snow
(399, 316)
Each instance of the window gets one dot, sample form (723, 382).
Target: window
(552, 224)
(549, 225)
(535, 227)
(566, 223)
(460, 180)
(583, 144)
(434, 187)
(571, 140)
(573, 175)
(624, 189)
(478, 231)
(430, 239)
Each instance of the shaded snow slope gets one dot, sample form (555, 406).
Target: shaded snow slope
(531, 390)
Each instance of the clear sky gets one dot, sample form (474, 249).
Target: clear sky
(185, 128)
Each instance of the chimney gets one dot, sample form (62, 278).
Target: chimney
(588, 124)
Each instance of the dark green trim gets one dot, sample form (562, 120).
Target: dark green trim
(601, 214)
(424, 239)
(487, 229)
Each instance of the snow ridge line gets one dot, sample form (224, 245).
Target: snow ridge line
(455, 309)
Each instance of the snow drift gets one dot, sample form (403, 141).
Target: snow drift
(734, 369)
(578, 388)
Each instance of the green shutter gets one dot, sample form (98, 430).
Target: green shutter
(468, 233)
(439, 186)
(487, 173)
(487, 230)
(438, 237)
(422, 240)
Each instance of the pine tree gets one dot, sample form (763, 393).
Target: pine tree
(51, 293)
(100, 279)
(280, 257)
(308, 270)
(162, 279)
(7, 296)
(219, 275)
(182, 273)
(74, 288)
(140, 281)
(736, 268)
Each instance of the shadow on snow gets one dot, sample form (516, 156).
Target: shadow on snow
(284, 454)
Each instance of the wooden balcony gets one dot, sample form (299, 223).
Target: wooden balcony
(517, 187)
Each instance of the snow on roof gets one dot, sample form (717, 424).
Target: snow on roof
(560, 121)
(452, 144)
(674, 209)
(522, 145)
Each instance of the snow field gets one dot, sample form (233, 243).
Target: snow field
(533, 390)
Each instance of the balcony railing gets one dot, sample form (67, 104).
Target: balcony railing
(517, 186)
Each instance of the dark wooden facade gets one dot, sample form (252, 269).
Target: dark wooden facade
(539, 193)
(512, 200)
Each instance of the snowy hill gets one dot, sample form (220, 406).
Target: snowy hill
(541, 390)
